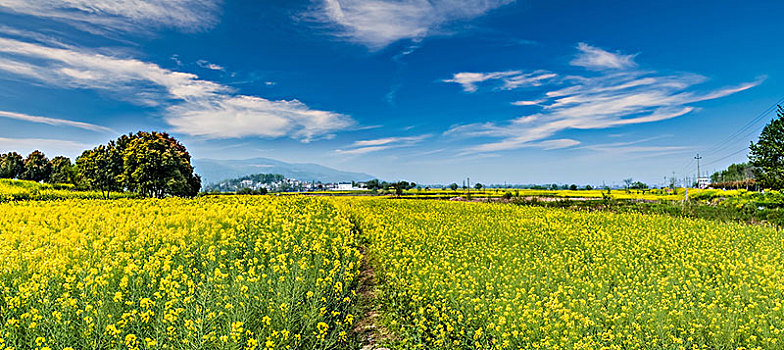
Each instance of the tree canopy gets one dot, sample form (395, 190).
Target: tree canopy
(36, 167)
(767, 155)
(733, 173)
(99, 169)
(11, 165)
(63, 172)
(151, 164)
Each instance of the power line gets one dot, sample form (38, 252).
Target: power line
(741, 134)
(728, 156)
(727, 141)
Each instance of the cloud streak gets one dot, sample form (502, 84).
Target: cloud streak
(54, 121)
(509, 79)
(378, 23)
(208, 65)
(592, 57)
(123, 15)
(381, 144)
(620, 94)
(192, 105)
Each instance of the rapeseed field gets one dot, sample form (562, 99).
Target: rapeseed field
(267, 272)
(227, 273)
(494, 276)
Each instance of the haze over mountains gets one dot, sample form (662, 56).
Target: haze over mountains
(213, 170)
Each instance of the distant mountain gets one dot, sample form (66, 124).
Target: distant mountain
(212, 170)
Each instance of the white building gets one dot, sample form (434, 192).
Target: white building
(703, 182)
(344, 187)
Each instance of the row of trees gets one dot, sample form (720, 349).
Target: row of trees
(741, 175)
(36, 167)
(735, 172)
(375, 184)
(151, 164)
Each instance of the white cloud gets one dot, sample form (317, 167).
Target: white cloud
(187, 15)
(377, 23)
(592, 57)
(241, 116)
(192, 105)
(374, 145)
(208, 65)
(624, 95)
(71, 67)
(363, 150)
(53, 121)
(389, 140)
(510, 79)
(527, 103)
(556, 144)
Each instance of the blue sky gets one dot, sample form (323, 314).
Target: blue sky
(428, 91)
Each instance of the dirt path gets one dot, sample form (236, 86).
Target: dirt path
(368, 327)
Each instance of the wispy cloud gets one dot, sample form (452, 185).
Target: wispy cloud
(374, 145)
(208, 65)
(54, 121)
(192, 105)
(124, 15)
(527, 102)
(638, 147)
(621, 94)
(592, 57)
(510, 79)
(377, 23)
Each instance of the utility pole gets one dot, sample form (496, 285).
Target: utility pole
(699, 188)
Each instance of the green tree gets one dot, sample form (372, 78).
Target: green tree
(453, 186)
(627, 183)
(36, 167)
(399, 187)
(250, 191)
(573, 187)
(478, 186)
(11, 165)
(63, 172)
(735, 172)
(156, 165)
(767, 155)
(100, 169)
(372, 184)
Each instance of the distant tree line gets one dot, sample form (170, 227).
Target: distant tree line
(36, 167)
(375, 184)
(151, 164)
(740, 175)
(247, 190)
